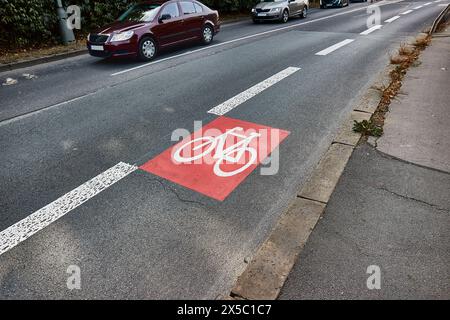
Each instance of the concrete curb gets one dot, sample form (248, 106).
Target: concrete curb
(45, 59)
(265, 275)
(439, 19)
(236, 21)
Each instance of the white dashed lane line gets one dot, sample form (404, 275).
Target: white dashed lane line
(334, 47)
(25, 228)
(392, 19)
(232, 103)
(372, 29)
(406, 12)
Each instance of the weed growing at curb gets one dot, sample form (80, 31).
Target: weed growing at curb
(406, 57)
(367, 128)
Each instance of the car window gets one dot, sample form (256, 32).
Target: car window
(140, 12)
(172, 9)
(187, 7)
(198, 8)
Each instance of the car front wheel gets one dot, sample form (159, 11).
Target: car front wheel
(147, 49)
(285, 16)
(207, 34)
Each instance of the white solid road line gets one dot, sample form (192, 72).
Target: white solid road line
(232, 103)
(247, 37)
(334, 47)
(26, 115)
(406, 12)
(392, 19)
(372, 29)
(25, 228)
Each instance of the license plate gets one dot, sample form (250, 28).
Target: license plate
(262, 14)
(97, 48)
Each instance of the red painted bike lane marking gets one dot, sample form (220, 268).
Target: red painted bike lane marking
(217, 158)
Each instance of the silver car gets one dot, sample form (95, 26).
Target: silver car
(279, 10)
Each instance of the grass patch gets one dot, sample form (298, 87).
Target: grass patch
(405, 50)
(367, 128)
(406, 53)
(33, 53)
(422, 42)
(409, 55)
(398, 59)
(406, 57)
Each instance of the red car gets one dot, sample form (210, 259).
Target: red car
(152, 25)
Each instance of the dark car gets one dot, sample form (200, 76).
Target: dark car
(333, 3)
(152, 25)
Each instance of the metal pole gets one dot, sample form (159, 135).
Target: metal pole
(67, 35)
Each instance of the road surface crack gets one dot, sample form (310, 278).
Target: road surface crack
(168, 188)
(414, 199)
(391, 157)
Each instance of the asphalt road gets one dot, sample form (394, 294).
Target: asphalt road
(146, 237)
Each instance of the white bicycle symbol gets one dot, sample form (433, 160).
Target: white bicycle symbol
(221, 154)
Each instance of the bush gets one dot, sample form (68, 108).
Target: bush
(24, 23)
(230, 5)
(96, 13)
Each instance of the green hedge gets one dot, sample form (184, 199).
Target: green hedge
(24, 23)
(230, 5)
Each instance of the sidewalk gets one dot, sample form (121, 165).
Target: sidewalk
(391, 207)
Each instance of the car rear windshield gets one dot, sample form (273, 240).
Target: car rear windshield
(140, 13)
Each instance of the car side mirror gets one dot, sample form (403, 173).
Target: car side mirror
(163, 17)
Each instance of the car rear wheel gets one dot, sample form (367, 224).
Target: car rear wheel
(207, 34)
(147, 49)
(285, 16)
